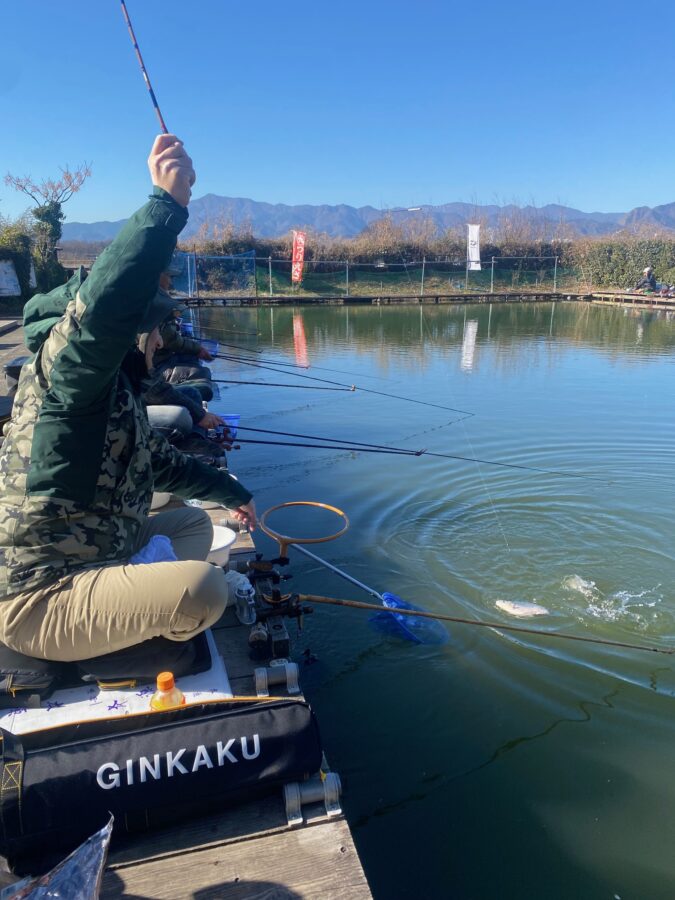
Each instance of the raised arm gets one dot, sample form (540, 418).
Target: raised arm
(84, 351)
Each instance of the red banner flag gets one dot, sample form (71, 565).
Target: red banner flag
(298, 256)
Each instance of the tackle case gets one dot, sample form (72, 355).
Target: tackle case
(58, 785)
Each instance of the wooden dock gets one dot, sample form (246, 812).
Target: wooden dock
(635, 301)
(428, 299)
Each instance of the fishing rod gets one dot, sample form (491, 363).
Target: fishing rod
(399, 451)
(144, 71)
(497, 626)
(355, 387)
(391, 451)
(281, 362)
(305, 387)
(234, 347)
(420, 613)
(314, 437)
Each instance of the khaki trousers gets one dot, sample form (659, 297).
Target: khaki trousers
(99, 611)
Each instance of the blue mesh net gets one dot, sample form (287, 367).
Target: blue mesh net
(409, 628)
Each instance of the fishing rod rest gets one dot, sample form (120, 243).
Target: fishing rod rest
(324, 788)
(279, 671)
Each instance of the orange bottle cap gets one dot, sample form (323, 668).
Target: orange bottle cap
(165, 681)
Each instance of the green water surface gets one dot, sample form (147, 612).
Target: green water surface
(495, 766)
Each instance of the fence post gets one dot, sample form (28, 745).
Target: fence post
(424, 263)
(347, 277)
(492, 276)
(269, 268)
(555, 275)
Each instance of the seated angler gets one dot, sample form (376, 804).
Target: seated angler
(80, 461)
(177, 412)
(179, 358)
(648, 282)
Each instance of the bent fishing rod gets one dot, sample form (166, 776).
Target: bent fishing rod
(442, 617)
(497, 626)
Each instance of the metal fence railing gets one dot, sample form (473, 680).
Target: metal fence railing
(247, 275)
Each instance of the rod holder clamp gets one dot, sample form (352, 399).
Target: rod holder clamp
(279, 671)
(323, 788)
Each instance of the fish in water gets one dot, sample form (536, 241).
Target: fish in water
(521, 609)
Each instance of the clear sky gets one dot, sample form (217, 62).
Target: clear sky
(372, 102)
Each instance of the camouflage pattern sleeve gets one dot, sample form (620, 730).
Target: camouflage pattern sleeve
(192, 479)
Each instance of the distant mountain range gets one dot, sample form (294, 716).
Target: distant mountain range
(275, 219)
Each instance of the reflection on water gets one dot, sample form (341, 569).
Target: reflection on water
(469, 756)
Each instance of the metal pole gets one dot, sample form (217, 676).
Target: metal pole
(492, 277)
(340, 572)
(269, 264)
(196, 275)
(424, 262)
(347, 276)
(466, 279)
(555, 274)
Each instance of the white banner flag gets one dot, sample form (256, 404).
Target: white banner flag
(473, 249)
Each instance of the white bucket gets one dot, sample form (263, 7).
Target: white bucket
(159, 499)
(223, 538)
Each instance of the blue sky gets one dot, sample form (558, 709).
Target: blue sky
(387, 104)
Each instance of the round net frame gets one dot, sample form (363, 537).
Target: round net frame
(285, 540)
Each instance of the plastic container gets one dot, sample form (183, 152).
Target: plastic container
(159, 499)
(244, 599)
(232, 422)
(223, 538)
(211, 346)
(167, 695)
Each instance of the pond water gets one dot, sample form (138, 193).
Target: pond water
(496, 766)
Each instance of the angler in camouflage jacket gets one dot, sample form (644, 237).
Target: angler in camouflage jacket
(79, 462)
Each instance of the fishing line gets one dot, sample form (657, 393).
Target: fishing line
(355, 387)
(304, 387)
(144, 71)
(477, 467)
(281, 362)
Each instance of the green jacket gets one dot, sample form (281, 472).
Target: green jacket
(175, 343)
(79, 461)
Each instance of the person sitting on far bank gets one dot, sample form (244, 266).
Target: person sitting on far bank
(647, 282)
(80, 462)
